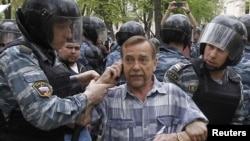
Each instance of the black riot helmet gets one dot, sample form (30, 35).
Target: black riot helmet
(94, 28)
(177, 28)
(155, 42)
(36, 19)
(128, 29)
(225, 32)
(8, 31)
(246, 21)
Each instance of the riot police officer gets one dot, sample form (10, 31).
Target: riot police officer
(176, 36)
(128, 29)
(8, 31)
(211, 80)
(93, 51)
(243, 68)
(195, 49)
(35, 90)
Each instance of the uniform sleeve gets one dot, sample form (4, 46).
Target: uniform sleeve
(109, 60)
(239, 112)
(183, 75)
(31, 90)
(112, 58)
(82, 58)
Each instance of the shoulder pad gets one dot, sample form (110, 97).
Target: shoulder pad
(25, 49)
(234, 75)
(172, 75)
(179, 66)
(172, 72)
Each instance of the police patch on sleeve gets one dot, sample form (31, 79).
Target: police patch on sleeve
(192, 88)
(43, 88)
(172, 75)
(177, 67)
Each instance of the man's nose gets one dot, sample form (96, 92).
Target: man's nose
(136, 65)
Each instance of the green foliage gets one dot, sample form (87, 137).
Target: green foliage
(202, 10)
(109, 10)
(118, 11)
(114, 12)
(14, 5)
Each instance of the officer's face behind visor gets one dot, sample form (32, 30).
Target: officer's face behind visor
(65, 29)
(10, 36)
(222, 37)
(102, 34)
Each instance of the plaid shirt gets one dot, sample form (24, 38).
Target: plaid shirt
(125, 117)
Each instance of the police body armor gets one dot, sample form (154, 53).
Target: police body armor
(95, 57)
(75, 88)
(217, 102)
(17, 124)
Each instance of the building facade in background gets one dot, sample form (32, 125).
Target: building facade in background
(236, 7)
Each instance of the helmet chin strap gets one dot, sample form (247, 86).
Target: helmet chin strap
(210, 68)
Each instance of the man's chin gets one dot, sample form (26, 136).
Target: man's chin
(211, 68)
(136, 84)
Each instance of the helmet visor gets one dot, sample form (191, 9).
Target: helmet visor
(102, 34)
(222, 37)
(9, 36)
(65, 29)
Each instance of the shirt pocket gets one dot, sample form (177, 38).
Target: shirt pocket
(168, 124)
(119, 129)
